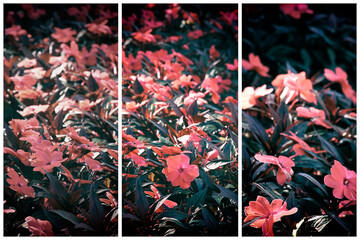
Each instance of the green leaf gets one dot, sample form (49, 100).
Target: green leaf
(68, 216)
(173, 214)
(313, 181)
(224, 192)
(330, 149)
(197, 200)
(209, 219)
(141, 201)
(96, 209)
(59, 189)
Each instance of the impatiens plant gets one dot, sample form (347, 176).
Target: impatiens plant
(298, 120)
(179, 120)
(60, 120)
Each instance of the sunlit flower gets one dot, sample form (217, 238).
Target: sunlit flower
(19, 184)
(267, 214)
(313, 113)
(300, 145)
(283, 163)
(39, 227)
(179, 171)
(342, 180)
(292, 85)
(295, 10)
(255, 64)
(250, 95)
(27, 63)
(340, 76)
(184, 81)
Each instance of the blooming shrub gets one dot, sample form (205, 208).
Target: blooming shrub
(179, 120)
(299, 120)
(60, 116)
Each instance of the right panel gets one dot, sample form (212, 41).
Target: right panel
(299, 119)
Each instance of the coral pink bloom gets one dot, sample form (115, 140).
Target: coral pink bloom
(184, 81)
(39, 227)
(90, 162)
(229, 17)
(295, 10)
(255, 64)
(284, 166)
(111, 201)
(340, 76)
(317, 114)
(98, 28)
(249, 95)
(233, 67)
(32, 12)
(15, 31)
(267, 214)
(63, 35)
(33, 109)
(19, 184)
(157, 195)
(45, 157)
(9, 210)
(292, 85)
(300, 146)
(24, 82)
(144, 36)
(342, 180)
(27, 63)
(195, 34)
(139, 160)
(212, 85)
(179, 171)
(20, 154)
(213, 52)
(195, 96)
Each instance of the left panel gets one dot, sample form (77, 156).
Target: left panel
(60, 119)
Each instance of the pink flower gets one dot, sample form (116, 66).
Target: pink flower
(249, 95)
(232, 67)
(63, 35)
(45, 157)
(340, 76)
(184, 81)
(138, 160)
(292, 85)
(295, 10)
(157, 195)
(195, 34)
(317, 114)
(15, 31)
(213, 52)
(195, 96)
(39, 227)
(255, 64)
(98, 28)
(19, 184)
(179, 171)
(27, 63)
(300, 146)
(268, 214)
(342, 180)
(33, 109)
(144, 36)
(212, 86)
(284, 166)
(24, 82)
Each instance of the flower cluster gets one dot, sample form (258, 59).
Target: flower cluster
(299, 124)
(179, 120)
(61, 106)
